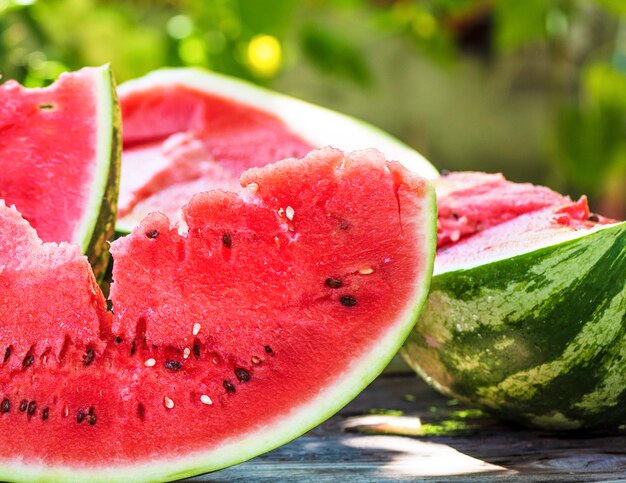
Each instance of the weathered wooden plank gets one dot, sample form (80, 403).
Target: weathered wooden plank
(452, 444)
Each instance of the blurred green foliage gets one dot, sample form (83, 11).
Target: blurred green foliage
(258, 40)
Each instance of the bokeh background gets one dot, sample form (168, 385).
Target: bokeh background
(535, 89)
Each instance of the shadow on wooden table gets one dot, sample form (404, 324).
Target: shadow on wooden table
(399, 429)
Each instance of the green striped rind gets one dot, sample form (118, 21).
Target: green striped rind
(97, 227)
(539, 338)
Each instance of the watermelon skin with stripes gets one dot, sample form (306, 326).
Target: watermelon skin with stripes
(538, 338)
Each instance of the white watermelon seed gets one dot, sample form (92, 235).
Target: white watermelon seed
(366, 271)
(168, 403)
(455, 236)
(253, 188)
(289, 212)
(206, 399)
(149, 363)
(196, 328)
(186, 352)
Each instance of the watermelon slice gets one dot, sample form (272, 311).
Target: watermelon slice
(188, 130)
(60, 152)
(527, 311)
(233, 333)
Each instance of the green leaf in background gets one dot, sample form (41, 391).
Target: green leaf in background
(604, 85)
(335, 54)
(617, 7)
(591, 136)
(530, 21)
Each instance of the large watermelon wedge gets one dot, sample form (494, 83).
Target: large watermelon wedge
(527, 312)
(232, 334)
(189, 130)
(60, 158)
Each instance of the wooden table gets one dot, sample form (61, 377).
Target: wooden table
(451, 444)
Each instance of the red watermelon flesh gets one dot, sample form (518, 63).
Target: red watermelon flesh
(50, 175)
(54, 278)
(535, 229)
(470, 202)
(482, 217)
(170, 199)
(229, 136)
(182, 164)
(274, 308)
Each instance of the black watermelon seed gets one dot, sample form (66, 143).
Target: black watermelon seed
(242, 374)
(133, 346)
(5, 407)
(32, 407)
(23, 405)
(173, 365)
(7, 354)
(344, 225)
(152, 234)
(88, 357)
(196, 350)
(45, 413)
(118, 340)
(229, 387)
(455, 216)
(268, 349)
(347, 301)
(593, 217)
(80, 415)
(227, 240)
(91, 419)
(333, 282)
(28, 361)
(141, 411)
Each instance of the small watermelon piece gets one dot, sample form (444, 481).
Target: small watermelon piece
(526, 316)
(60, 151)
(261, 316)
(466, 206)
(189, 130)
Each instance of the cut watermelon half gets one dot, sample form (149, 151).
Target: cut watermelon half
(188, 130)
(60, 151)
(261, 316)
(527, 311)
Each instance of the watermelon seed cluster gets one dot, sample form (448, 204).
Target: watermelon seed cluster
(90, 415)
